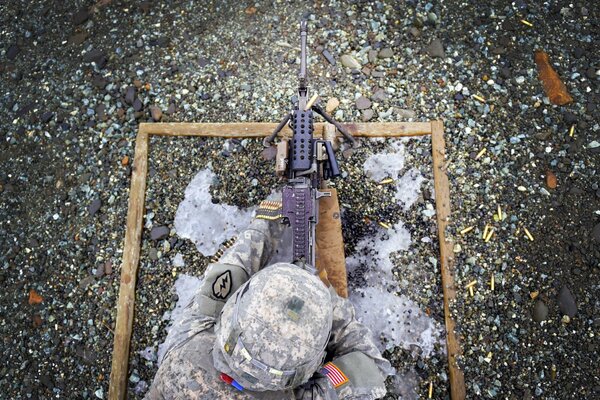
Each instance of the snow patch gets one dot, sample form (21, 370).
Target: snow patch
(385, 165)
(204, 223)
(408, 188)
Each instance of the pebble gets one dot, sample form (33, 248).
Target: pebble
(362, 103)
(80, 16)
(330, 59)
(159, 232)
(94, 206)
(332, 104)
(367, 114)
(137, 104)
(78, 38)
(436, 49)
(596, 233)
(405, 114)
(566, 302)
(97, 57)
(46, 117)
(350, 62)
(130, 95)
(520, 79)
(12, 52)
(380, 95)
(415, 32)
(156, 113)
(540, 311)
(386, 53)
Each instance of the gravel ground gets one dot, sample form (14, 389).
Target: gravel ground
(78, 77)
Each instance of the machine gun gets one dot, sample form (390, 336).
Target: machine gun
(305, 162)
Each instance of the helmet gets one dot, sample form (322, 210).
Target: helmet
(273, 331)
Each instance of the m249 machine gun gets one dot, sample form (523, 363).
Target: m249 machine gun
(305, 161)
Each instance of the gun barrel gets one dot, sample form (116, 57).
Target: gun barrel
(303, 34)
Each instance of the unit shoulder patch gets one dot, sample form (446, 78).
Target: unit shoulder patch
(334, 374)
(222, 285)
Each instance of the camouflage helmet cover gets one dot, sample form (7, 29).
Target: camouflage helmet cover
(273, 331)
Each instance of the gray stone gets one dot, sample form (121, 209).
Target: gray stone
(81, 16)
(137, 104)
(596, 233)
(94, 206)
(12, 52)
(540, 311)
(386, 53)
(435, 48)
(330, 59)
(156, 113)
(363, 103)
(159, 232)
(367, 114)
(350, 62)
(405, 114)
(415, 32)
(566, 302)
(153, 254)
(130, 95)
(372, 56)
(379, 95)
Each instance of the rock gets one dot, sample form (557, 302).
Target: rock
(540, 311)
(78, 38)
(350, 62)
(436, 49)
(96, 56)
(137, 104)
(379, 95)
(156, 113)
(566, 302)
(94, 206)
(363, 103)
(153, 254)
(330, 59)
(578, 52)
(99, 82)
(12, 51)
(596, 233)
(520, 79)
(367, 114)
(372, 56)
(46, 117)
(130, 95)
(80, 16)
(415, 32)
(332, 104)
(551, 179)
(100, 270)
(269, 153)
(405, 114)
(159, 232)
(171, 109)
(385, 53)
(377, 74)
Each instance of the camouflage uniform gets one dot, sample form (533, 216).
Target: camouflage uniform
(195, 345)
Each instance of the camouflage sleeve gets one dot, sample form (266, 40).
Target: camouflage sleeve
(254, 246)
(354, 353)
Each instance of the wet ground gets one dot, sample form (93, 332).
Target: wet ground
(78, 77)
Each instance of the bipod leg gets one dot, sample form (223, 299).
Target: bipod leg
(269, 139)
(339, 126)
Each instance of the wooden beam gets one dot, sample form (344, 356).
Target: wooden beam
(262, 129)
(131, 256)
(442, 205)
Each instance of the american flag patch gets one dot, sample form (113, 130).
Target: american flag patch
(334, 374)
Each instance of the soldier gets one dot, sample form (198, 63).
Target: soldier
(275, 333)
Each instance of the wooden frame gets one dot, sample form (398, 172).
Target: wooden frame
(133, 234)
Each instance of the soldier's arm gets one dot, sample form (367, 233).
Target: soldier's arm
(358, 370)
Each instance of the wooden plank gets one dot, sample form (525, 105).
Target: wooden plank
(131, 255)
(262, 129)
(442, 205)
(330, 243)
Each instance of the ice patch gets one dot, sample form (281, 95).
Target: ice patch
(408, 188)
(185, 287)
(385, 165)
(204, 223)
(388, 165)
(396, 321)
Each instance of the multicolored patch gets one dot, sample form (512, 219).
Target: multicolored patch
(334, 374)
